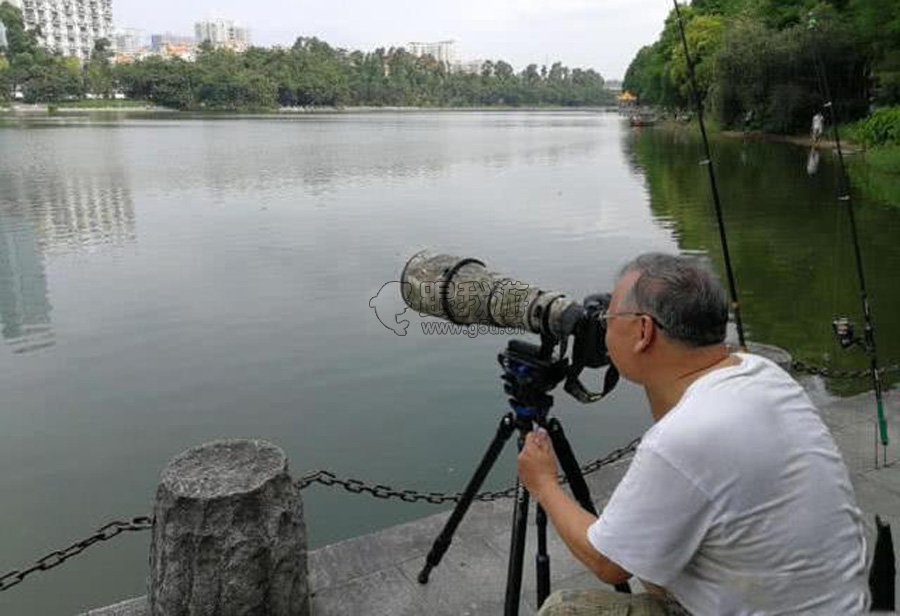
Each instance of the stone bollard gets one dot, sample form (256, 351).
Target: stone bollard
(229, 536)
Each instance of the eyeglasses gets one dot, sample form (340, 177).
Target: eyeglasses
(606, 316)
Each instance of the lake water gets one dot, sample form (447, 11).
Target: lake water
(170, 280)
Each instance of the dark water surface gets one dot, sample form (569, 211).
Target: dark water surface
(166, 281)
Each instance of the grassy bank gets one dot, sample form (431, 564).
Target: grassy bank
(877, 174)
(102, 103)
(885, 159)
(873, 146)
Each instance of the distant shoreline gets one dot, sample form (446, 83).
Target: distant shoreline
(44, 108)
(848, 146)
(47, 108)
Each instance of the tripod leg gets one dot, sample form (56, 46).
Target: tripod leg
(542, 559)
(504, 431)
(516, 551)
(570, 467)
(569, 464)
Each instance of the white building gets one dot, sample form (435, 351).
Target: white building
(469, 67)
(160, 41)
(129, 40)
(69, 26)
(442, 51)
(613, 85)
(222, 33)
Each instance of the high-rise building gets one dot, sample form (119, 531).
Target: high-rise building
(222, 33)
(158, 42)
(129, 40)
(69, 26)
(442, 51)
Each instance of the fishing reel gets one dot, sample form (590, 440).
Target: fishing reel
(845, 332)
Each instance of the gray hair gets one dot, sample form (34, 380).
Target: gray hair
(682, 293)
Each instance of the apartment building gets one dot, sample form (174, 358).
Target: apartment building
(442, 51)
(70, 27)
(222, 33)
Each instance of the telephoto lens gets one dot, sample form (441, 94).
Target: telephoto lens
(462, 290)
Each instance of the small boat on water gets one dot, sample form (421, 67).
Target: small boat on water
(638, 120)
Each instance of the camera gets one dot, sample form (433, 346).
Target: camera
(464, 291)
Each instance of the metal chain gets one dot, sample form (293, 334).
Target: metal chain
(326, 478)
(356, 486)
(833, 373)
(55, 559)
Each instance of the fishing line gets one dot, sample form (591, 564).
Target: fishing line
(868, 342)
(837, 227)
(707, 162)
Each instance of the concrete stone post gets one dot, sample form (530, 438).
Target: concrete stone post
(229, 536)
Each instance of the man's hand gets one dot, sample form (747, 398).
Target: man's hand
(537, 470)
(537, 463)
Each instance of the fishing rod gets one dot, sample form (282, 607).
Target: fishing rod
(707, 162)
(843, 328)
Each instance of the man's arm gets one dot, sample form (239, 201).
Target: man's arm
(572, 523)
(537, 470)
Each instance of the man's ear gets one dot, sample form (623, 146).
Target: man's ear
(647, 333)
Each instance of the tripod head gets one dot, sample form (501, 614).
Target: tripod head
(531, 372)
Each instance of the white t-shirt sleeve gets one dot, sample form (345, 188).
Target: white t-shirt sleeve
(655, 520)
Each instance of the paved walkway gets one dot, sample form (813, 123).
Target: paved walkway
(375, 575)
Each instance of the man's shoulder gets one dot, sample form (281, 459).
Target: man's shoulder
(754, 382)
(735, 415)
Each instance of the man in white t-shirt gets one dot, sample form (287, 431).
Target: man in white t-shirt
(737, 500)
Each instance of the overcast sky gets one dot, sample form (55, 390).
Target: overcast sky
(599, 34)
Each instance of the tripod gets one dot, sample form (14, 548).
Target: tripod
(529, 372)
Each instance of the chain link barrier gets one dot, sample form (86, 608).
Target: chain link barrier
(55, 559)
(325, 478)
(381, 491)
(356, 486)
(834, 373)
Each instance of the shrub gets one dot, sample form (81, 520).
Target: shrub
(880, 128)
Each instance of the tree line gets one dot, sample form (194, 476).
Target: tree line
(757, 61)
(310, 73)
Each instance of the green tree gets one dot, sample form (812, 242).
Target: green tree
(877, 23)
(320, 73)
(23, 50)
(314, 73)
(53, 80)
(98, 74)
(757, 58)
(6, 81)
(704, 38)
(19, 39)
(168, 83)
